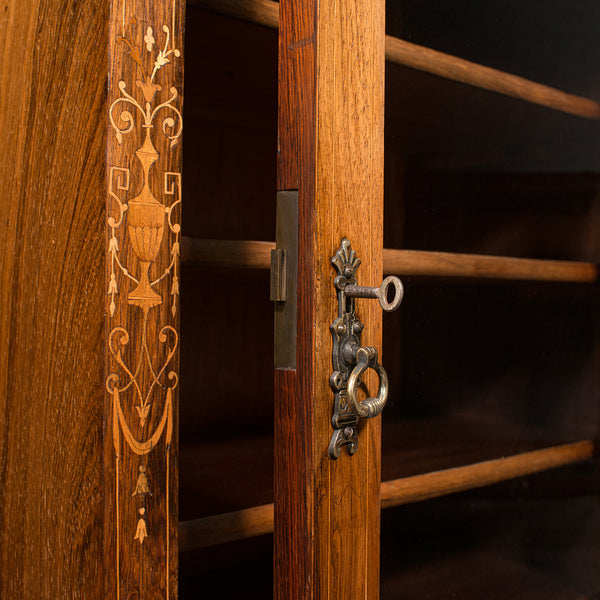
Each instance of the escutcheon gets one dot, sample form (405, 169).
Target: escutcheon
(350, 359)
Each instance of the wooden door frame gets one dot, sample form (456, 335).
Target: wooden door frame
(331, 101)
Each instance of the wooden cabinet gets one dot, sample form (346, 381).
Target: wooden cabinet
(148, 449)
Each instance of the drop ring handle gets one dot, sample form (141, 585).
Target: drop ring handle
(366, 357)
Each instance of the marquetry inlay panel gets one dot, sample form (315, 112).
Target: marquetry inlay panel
(143, 223)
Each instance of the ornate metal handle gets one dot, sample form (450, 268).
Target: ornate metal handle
(350, 359)
(371, 407)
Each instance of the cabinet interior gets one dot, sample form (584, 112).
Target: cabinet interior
(495, 363)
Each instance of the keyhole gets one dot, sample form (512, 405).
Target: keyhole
(348, 308)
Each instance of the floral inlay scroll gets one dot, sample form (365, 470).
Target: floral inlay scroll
(142, 342)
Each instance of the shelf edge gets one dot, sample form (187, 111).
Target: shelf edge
(427, 60)
(417, 488)
(249, 254)
(258, 520)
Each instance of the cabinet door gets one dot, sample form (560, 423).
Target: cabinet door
(331, 83)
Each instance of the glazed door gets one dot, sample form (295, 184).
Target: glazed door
(331, 84)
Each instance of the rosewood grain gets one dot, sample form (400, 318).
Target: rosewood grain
(328, 511)
(143, 228)
(52, 103)
(295, 487)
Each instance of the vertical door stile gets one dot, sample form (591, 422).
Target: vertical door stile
(331, 78)
(143, 229)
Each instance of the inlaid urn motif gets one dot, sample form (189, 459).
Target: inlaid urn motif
(145, 224)
(143, 265)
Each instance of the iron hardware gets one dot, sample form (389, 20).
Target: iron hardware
(278, 275)
(350, 359)
(381, 293)
(284, 279)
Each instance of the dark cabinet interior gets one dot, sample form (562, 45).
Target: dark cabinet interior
(488, 360)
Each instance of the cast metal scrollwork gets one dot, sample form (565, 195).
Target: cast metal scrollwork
(350, 359)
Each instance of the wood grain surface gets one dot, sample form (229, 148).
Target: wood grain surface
(52, 102)
(348, 203)
(330, 149)
(295, 485)
(143, 223)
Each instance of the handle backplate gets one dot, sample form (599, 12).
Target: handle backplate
(350, 359)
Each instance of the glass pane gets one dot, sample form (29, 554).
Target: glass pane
(492, 359)
(226, 405)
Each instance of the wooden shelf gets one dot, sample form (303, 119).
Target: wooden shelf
(451, 264)
(261, 12)
(243, 254)
(457, 69)
(421, 460)
(264, 12)
(227, 527)
(257, 255)
(461, 547)
(437, 122)
(458, 479)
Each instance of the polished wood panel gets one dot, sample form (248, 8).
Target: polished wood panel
(52, 99)
(348, 203)
(331, 150)
(257, 255)
(297, 573)
(434, 62)
(143, 228)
